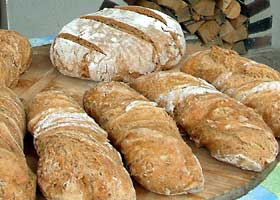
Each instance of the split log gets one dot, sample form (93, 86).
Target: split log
(233, 10)
(227, 45)
(183, 14)
(195, 15)
(227, 32)
(192, 28)
(204, 7)
(174, 5)
(224, 4)
(217, 41)
(242, 33)
(241, 19)
(208, 31)
(231, 35)
(240, 48)
(220, 16)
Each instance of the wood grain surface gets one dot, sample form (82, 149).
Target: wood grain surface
(222, 181)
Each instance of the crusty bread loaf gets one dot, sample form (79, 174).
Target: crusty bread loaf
(118, 43)
(155, 153)
(15, 57)
(255, 85)
(17, 180)
(232, 132)
(76, 159)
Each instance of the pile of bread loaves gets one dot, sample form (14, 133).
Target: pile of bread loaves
(237, 122)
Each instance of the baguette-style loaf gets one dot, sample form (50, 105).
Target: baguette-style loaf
(118, 43)
(155, 153)
(231, 131)
(255, 85)
(15, 57)
(17, 180)
(76, 159)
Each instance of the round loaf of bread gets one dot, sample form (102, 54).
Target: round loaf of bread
(15, 57)
(120, 43)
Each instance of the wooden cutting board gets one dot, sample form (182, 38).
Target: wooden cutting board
(222, 181)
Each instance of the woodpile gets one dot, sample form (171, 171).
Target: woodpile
(215, 22)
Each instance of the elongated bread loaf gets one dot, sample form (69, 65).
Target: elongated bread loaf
(232, 132)
(17, 180)
(118, 43)
(15, 57)
(154, 151)
(255, 85)
(76, 160)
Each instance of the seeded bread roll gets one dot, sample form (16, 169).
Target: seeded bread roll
(155, 153)
(76, 159)
(232, 132)
(17, 180)
(15, 57)
(119, 43)
(255, 85)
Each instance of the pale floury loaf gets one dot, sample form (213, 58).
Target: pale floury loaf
(156, 155)
(17, 180)
(15, 57)
(231, 131)
(76, 159)
(254, 84)
(119, 43)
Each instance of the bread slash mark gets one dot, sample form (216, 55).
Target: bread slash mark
(80, 41)
(143, 11)
(127, 29)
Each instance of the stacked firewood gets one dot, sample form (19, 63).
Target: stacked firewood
(215, 22)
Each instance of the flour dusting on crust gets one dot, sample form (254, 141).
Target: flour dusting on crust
(241, 161)
(221, 80)
(266, 86)
(125, 54)
(60, 119)
(140, 104)
(171, 98)
(167, 48)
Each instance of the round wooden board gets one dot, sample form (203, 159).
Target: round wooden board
(222, 181)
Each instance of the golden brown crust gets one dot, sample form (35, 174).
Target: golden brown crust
(232, 132)
(15, 56)
(76, 160)
(252, 83)
(267, 103)
(154, 151)
(17, 181)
